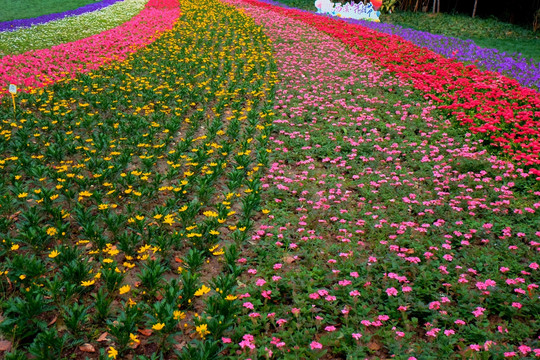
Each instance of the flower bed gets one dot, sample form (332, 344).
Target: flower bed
(389, 232)
(131, 189)
(24, 23)
(525, 71)
(68, 29)
(42, 67)
(489, 104)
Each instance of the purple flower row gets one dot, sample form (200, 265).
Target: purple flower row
(525, 71)
(25, 23)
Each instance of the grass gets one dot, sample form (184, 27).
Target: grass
(24, 9)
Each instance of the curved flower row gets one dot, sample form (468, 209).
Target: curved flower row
(39, 68)
(488, 103)
(25, 23)
(525, 71)
(68, 29)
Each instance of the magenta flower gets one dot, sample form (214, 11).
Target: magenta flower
(479, 311)
(391, 291)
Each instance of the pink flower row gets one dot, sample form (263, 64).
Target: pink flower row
(38, 68)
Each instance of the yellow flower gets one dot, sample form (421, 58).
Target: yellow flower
(52, 231)
(231, 297)
(54, 254)
(22, 277)
(114, 252)
(178, 315)
(22, 195)
(15, 247)
(134, 338)
(203, 290)
(124, 289)
(168, 220)
(112, 353)
(202, 330)
(88, 283)
(158, 326)
(210, 214)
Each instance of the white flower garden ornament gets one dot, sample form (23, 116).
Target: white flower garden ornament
(350, 10)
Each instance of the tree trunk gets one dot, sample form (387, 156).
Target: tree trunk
(474, 9)
(416, 6)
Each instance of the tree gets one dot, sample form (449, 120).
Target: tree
(474, 9)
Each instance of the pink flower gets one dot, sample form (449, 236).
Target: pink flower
(248, 305)
(226, 340)
(315, 345)
(330, 328)
(260, 282)
(516, 305)
(391, 291)
(479, 311)
(524, 349)
(356, 336)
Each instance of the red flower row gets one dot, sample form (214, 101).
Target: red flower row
(488, 103)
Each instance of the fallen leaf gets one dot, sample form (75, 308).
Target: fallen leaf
(5, 345)
(178, 260)
(87, 348)
(52, 321)
(103, 337)
(180, 346)
(145, 332)
(373, 346)
(289, 259)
